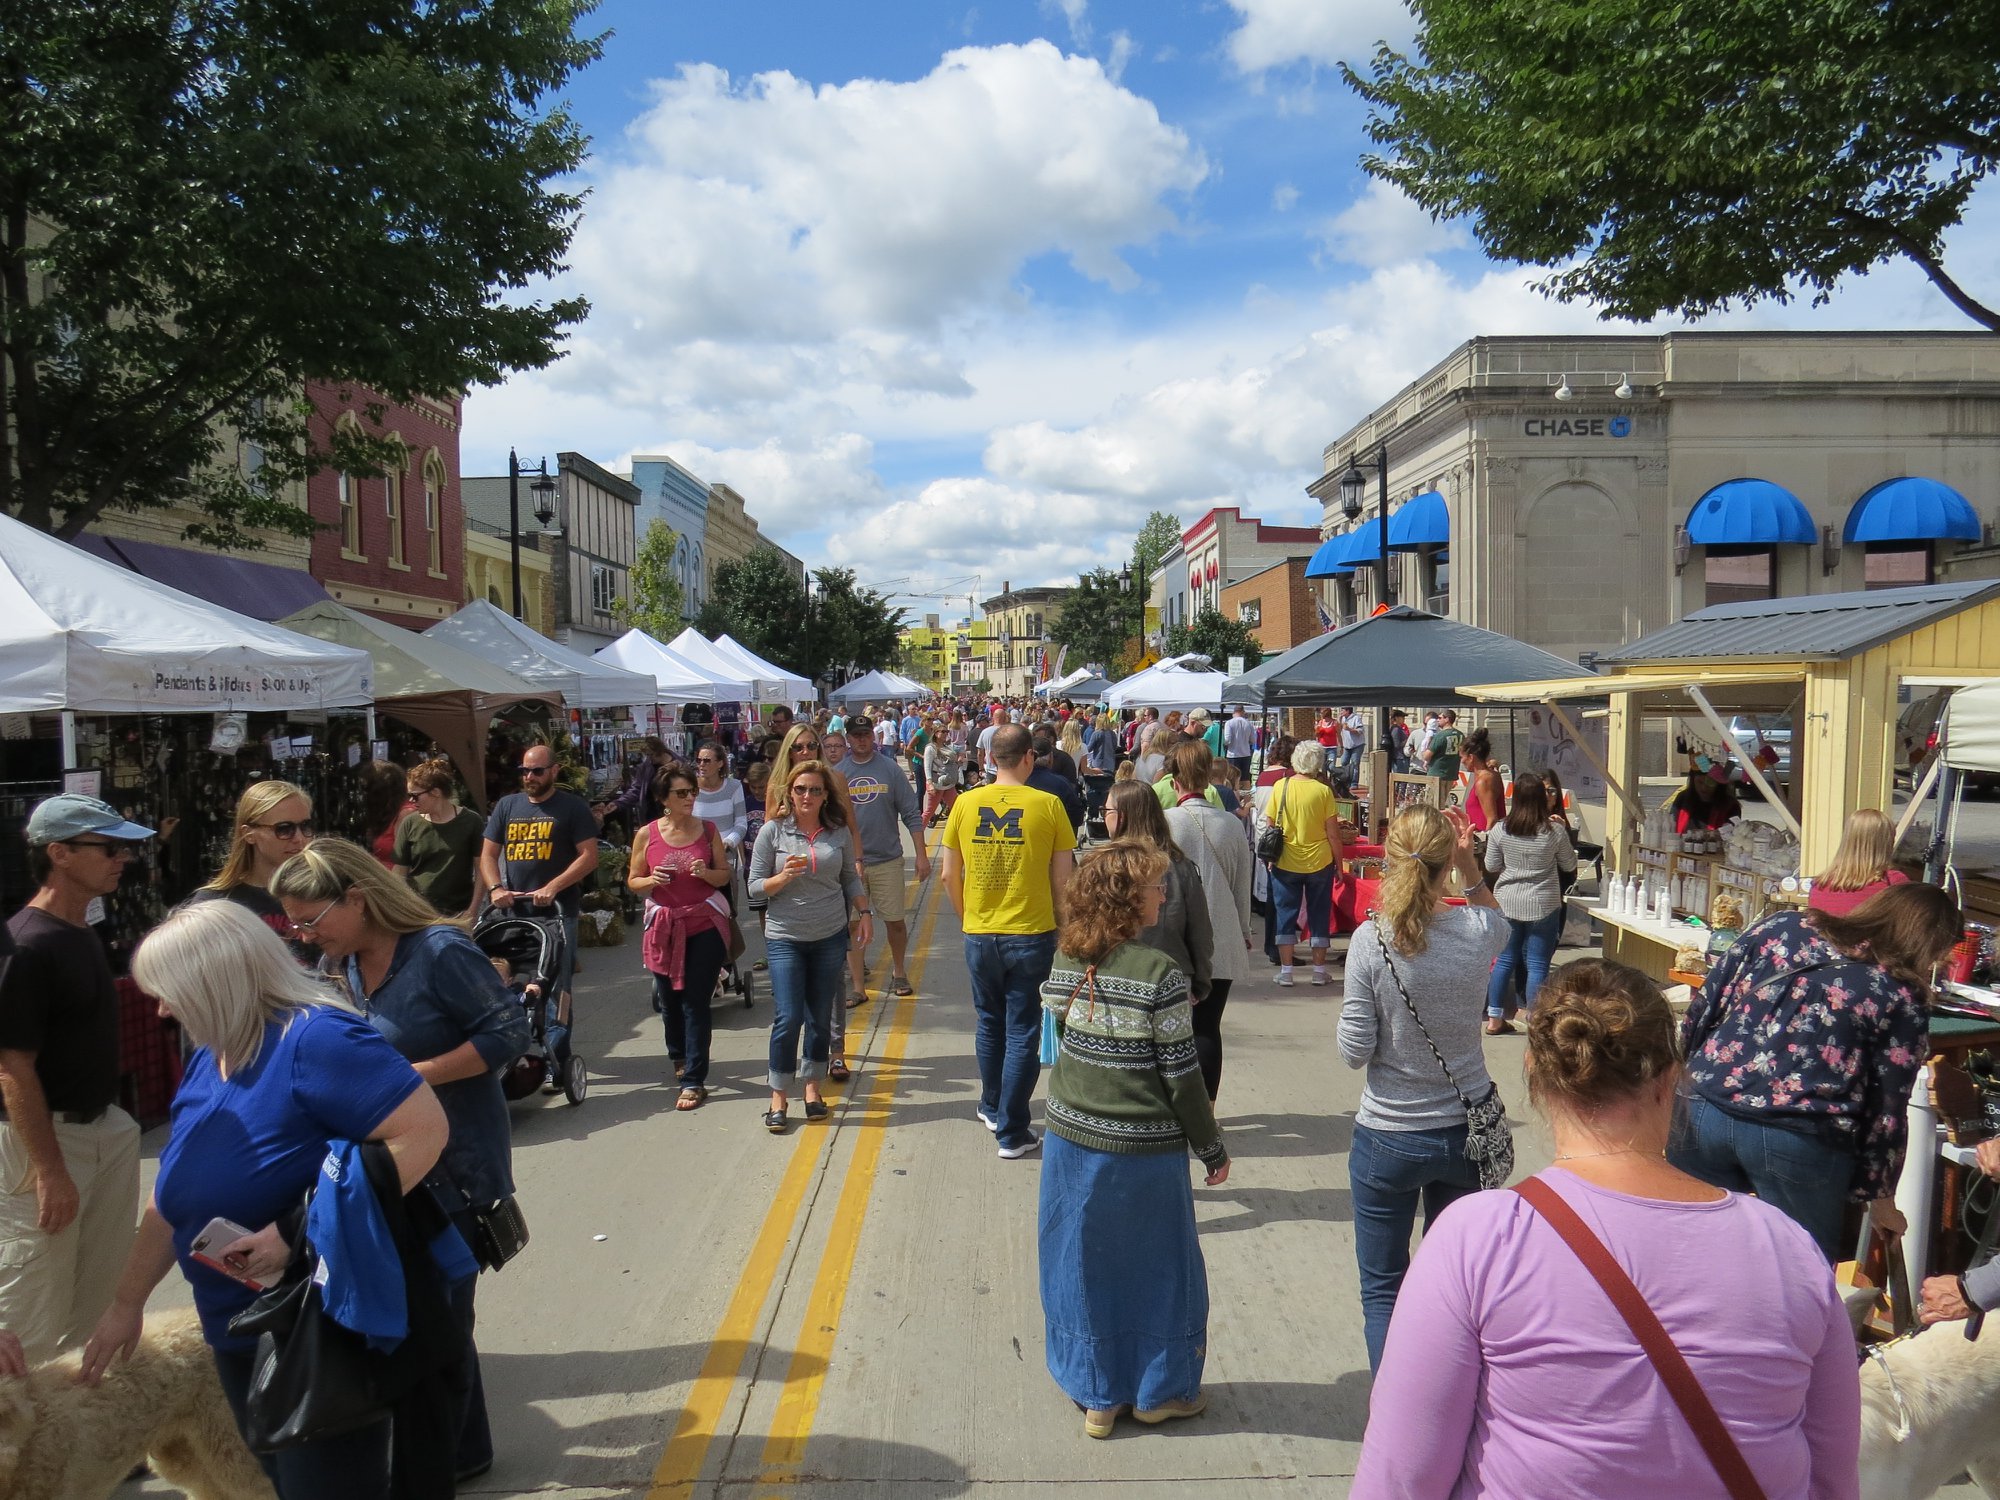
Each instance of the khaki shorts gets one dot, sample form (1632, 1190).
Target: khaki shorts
(886, 883)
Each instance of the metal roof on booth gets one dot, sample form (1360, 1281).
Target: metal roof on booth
(1812, 627)
(1912, 510)
(1750, 512)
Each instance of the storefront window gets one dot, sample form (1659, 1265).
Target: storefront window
(1896, 565)
(1437, 585)
(1737, 574)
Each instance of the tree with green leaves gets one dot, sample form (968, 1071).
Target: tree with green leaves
(1684, 158)
(655, 601)
(1216, 637)
(761, 603)
(1100, 622)
(204, 203)
(1159, 536)
(850, 629)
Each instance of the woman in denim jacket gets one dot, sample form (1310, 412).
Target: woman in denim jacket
(428, 989)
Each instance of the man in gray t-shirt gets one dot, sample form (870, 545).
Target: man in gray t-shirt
(884, 805)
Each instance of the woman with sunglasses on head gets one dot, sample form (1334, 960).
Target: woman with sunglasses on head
(273, 822)
(678, 862)
(427, 988)
(801, 744)
(806, 865)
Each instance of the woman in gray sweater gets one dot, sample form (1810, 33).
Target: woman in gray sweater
(1418, 968)
(805, 865)
(1526, 857)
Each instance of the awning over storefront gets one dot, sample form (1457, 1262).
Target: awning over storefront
(261, 590)
(1912, 510)
(1424, 521)
(1750, 513)
(1330, 560)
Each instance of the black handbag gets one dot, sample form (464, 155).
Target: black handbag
(1271, 837)
(499, 1233)
(312, 1378)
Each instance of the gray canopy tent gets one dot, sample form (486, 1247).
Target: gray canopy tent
(1401, 658)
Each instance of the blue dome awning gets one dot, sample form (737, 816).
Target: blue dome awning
(1750, 513)
(1912, 510)
(1423, 521)
(1326, 562)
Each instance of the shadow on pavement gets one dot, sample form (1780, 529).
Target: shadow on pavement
(1337, 1412)
(1258, 1206)
(1286, 1135)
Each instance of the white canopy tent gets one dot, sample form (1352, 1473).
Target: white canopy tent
(1056, 687)
(1972, 729)
(676, 679)
(489, 632)
(877, 688)
(798, 689)
(703, 654)
(1181, 682)
(81, 635)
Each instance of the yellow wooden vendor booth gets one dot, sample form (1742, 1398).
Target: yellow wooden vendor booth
(1830, 664)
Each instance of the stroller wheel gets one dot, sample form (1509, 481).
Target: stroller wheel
(746, 983)
(576, 1080)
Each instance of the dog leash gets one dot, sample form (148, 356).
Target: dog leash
(1876, 1353)
(1981, 1253)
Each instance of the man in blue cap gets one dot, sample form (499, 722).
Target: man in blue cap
(70, 1197)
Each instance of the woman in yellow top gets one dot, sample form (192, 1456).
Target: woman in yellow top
(1303, 806)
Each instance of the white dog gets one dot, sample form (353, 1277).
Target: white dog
(1950, 1398)
(64, 1441)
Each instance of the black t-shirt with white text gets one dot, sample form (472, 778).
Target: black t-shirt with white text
(59, 1001)
(539, 840)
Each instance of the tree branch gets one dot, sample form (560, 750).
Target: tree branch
(1922, 254)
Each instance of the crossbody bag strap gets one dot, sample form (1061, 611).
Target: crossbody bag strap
(1425, 1031)
(1668, 1360)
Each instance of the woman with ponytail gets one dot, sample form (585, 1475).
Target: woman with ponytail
(1510, 1371)
(1410, 1014)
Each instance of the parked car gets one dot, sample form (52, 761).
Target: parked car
(1918, 730)
(1751, 730)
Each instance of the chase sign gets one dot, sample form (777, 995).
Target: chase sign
(1577, 427)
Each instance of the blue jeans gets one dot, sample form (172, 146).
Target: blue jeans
(1803, 1175)
(348, 1466)
(1532, 944)
(1008, 971)
(1315, 893)
(1391, 1172)
(805, 987)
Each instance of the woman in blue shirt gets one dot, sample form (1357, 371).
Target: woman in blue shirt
(281, 1067)
(427, 988)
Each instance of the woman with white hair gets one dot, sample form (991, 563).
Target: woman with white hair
(281, 1066)
(1302, 879)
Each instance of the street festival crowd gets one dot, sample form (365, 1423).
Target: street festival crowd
(339, 1144)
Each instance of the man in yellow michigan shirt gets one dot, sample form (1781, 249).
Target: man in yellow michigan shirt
(1006, 860)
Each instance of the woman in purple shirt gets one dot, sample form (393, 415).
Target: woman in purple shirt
(1508, 1370)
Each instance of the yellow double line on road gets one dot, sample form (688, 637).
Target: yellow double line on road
(680, 1466)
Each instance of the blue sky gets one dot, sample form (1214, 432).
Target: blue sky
(955, 294)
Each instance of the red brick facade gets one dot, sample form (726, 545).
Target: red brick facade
(390, 545)
(1284, 611)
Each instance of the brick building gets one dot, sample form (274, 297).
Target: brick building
(391, 544)
(1277, 604)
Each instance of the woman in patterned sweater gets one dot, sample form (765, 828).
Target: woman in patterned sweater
(1801, 1051)
(1124, 1290)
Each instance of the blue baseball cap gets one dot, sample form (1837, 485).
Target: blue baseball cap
(70, 816)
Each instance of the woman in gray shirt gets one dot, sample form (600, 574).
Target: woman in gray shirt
(1418, 958)
(806, 866)
(1526, 856)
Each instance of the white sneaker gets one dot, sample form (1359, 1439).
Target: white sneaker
(991, 1122)
(1320, 976)
(1027, 1148)
(1285, 976)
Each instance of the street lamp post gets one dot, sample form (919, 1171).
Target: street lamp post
(545, 489)
(1353, 487)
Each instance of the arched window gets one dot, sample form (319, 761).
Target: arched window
(347, 491)
(434, 510)
(392, 502)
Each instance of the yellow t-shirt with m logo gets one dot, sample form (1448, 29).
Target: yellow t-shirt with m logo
(1004, 837)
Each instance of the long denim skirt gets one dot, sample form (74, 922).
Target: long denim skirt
(1124, 1290)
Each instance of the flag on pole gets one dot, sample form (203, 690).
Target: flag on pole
(1325, 619)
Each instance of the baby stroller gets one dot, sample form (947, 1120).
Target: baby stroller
(530, 943)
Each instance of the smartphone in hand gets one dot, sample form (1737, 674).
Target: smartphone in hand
(208, 1245)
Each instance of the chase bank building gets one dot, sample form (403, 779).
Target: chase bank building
(1578, 492)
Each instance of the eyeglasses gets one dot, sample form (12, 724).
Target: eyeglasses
(536, 770)
(708, 760)
(312, 924)
(808, 791)
(288, 829)
(681, 791)
(113, 848)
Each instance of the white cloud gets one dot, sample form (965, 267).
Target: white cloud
(1322, 32)
(1076, 13)
(769, 209)
(1384, 227)
(1122, 50)
(792, 487)
(1284, 197)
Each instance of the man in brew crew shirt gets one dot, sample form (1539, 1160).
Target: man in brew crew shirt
(69, 1157)
(884, 805)
(540, 845)
(1006, 861)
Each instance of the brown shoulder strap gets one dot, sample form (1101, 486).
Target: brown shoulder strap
(1653, 1338)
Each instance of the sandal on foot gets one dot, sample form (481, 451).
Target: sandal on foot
(816, 1109)
(774, 1121)
(900, 986)
(691, 1097)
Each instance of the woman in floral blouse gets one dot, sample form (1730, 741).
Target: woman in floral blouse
(1801, 1050)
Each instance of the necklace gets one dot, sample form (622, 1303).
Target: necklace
(1619, 1151)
